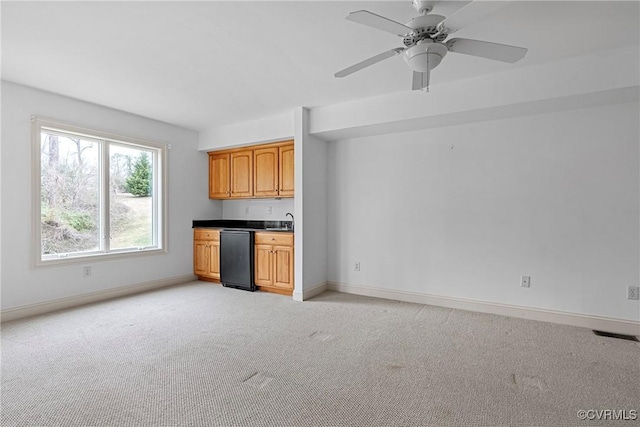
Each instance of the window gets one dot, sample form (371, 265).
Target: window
(96, 194)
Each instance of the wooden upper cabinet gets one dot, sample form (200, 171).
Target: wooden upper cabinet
(286, 170)
(219, 174)
(242, 174)
(265, 177)
(257, 171)
(231, 174)
(273, 171)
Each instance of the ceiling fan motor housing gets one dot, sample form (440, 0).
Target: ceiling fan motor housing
(425, 55)
(424, 27)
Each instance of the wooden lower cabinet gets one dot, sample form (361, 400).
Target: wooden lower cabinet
(273, 259)
(206, 254)
(274, 262)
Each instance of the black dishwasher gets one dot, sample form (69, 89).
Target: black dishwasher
(236, 259)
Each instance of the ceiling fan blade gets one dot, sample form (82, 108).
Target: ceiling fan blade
(368, 62)
(380, 22)
(496, 51)
(469, 14)
(420, 80)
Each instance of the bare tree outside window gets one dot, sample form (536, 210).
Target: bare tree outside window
(69, 194)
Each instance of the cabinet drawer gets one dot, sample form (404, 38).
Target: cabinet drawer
(274, 238)
(206, 234)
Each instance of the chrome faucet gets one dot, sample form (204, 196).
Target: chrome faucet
(292, 220)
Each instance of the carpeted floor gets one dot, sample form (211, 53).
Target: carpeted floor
(200, 354)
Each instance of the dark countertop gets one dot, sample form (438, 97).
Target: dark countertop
(253, 225)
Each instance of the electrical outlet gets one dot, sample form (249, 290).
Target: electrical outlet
(357, 266)
(246, 210)
(525, 281)
(86, 272)
(633, 292)
(269, 210)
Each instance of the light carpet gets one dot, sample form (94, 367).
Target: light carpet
(200, 354)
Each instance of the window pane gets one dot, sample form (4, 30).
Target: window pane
(131, 197)
(69, 194)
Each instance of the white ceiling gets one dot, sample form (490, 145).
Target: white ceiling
(211, 63)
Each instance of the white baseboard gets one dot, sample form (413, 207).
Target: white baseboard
(305, 294)
(315, 290)
(619, 326)
(62, 303)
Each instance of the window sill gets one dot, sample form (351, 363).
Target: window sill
(98, 257)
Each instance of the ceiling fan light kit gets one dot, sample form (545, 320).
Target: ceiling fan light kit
(425, 55)
(424, 38)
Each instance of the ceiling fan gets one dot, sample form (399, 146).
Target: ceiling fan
(424, 39)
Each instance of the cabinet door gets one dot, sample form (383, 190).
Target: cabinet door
(219, 174)
(286, 171)
(242, 174)
(214, 259)
(283, 267)
(263, 265)
(200, 257)
(265, 179)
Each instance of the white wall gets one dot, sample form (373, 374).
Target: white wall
(22, 284)
(314, 199)
(464, 211)
(258, 209)
(311, 237)
(263, 130)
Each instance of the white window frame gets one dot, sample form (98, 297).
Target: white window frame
(160, 185)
